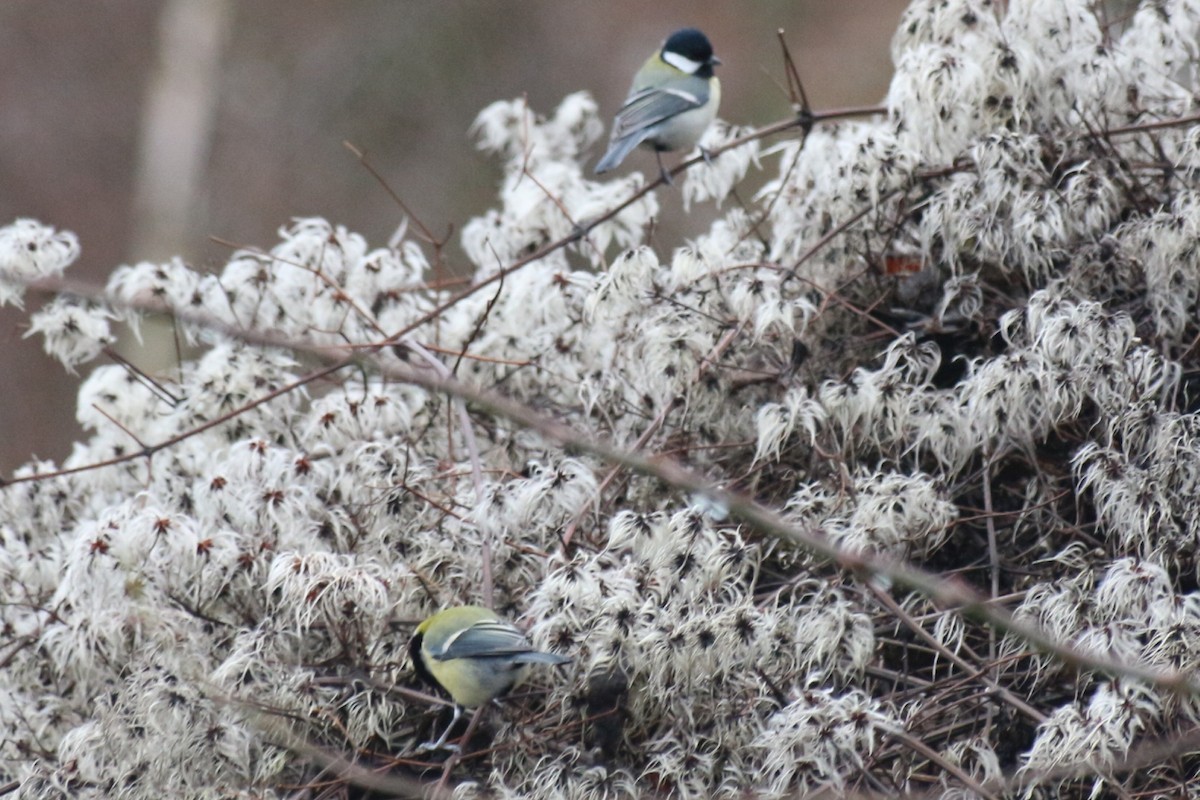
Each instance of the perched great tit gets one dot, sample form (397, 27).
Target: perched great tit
(474, 655)
(673, 99)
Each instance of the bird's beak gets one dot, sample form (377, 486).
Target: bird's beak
(715, 61)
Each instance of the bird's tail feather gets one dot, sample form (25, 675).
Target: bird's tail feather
(617, 152)
(537, 657)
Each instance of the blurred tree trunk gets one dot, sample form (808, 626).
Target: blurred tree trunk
(178, 120)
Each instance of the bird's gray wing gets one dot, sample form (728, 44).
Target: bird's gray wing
(646, 108)
(486, 638)
(643, 110)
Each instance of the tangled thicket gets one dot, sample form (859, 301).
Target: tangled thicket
(961, 334)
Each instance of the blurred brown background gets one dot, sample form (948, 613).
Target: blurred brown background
(147, 127)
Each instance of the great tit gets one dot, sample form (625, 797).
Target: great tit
(474, 655)
(673, 99)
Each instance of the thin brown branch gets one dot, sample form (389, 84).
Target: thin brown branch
(426, 234)
(1001, 692)
(934, 757)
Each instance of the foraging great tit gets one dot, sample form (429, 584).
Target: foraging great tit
(474, 655)
(673, 100)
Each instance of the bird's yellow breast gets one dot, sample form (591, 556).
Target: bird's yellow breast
(472, 682)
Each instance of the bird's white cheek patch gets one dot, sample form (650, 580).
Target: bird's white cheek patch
(681, 62)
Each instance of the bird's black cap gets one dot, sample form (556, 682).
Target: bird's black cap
(691, 44)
